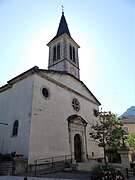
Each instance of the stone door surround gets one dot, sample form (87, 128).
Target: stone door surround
(77, 126)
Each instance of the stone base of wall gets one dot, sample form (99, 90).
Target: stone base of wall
(125, 157)
(13, 167)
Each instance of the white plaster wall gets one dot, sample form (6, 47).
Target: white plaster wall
(15, 104)
(49, 127)
(71, 82)
(49, 133)
(59, 66)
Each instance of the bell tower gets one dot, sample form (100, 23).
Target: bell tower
(63, 51)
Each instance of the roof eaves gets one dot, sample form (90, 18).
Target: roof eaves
(61, 36)
(18, 78)
(23, 75)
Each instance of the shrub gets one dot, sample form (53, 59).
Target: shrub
(106, 173)
(5, 157)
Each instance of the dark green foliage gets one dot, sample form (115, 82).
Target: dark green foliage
(5, 157)
(108, 131)
(106, 173)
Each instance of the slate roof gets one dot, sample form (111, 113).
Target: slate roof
(130, 112)
(129, 116)
(63, 28)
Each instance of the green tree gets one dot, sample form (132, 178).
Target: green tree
(130, 141)
(108, 131)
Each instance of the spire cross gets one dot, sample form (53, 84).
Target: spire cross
(62, 9)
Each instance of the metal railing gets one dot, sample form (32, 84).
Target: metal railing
(52, 162)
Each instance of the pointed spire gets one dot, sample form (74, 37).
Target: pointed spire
(63, 27)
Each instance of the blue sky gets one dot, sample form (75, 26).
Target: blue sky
(105, 30)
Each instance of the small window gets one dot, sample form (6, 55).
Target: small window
(15, 128)
(76, 104)
(92, 154)
(72, 52)
(45, 92)
(56, 52)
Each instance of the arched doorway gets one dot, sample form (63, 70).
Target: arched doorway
(77, 148)
(77, 137)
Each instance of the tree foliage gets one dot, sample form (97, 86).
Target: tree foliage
(108, 131)
(130, 141)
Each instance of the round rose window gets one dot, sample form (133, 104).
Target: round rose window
(76, 104)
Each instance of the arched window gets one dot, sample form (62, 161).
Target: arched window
(15, 128)
(56, 52)
(72, 52)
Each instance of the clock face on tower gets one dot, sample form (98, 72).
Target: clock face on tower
(72, 70)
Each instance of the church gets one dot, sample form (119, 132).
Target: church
(49, 113)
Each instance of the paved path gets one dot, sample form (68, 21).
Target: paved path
(21, 178)
(53, 176)
(57, 176)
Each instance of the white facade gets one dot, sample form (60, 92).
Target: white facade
(15, 104)
(53, 108)
(43, 123)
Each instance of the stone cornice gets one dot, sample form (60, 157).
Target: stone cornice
(54, 40)
(57, 62)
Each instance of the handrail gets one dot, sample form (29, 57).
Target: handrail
(35, 161)
(52, 160)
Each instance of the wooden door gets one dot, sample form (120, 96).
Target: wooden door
(77, 148)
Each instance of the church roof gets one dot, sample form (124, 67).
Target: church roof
(63, 27)
(130, 112)
(36, 70)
